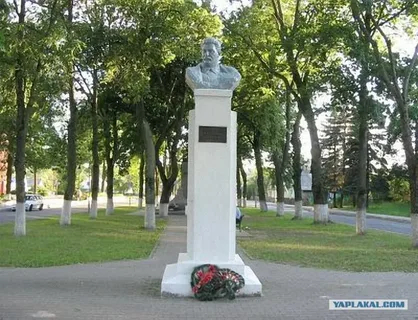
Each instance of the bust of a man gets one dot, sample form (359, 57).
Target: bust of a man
(210, 74)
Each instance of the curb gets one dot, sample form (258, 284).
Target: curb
(373, 215)
(370, 215)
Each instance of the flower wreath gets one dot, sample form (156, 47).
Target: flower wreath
(210, 282)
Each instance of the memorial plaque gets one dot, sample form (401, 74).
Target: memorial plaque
(212, 134)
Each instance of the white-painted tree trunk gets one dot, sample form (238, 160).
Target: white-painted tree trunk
(163, 209)
(20, 220)
(149, 219)
(414, 226)
(298, 210)
(93, 209)
(244, 204)
(109, 206)
(280, 209)
(8, 196)
(140, 203)
(263, 205)
(66, 213)
(361, 221)
(321, 213)
(239, 202)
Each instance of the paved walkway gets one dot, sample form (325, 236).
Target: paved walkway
(131, 290)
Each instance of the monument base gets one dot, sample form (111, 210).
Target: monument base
(177, 276)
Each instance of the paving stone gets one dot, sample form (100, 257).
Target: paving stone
(131, 290)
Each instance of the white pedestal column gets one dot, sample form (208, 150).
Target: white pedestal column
(211, 198)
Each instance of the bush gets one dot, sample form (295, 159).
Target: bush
(399, 189)
(41, 191)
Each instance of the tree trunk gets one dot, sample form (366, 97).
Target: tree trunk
(149, 221)
(260, 176)
(9, 174)
(239, 190)
(157, 183)
(95, 150)
(297, 185)
(71, 158)
(102, 187)
(34, 180)
(362, 167)
(281, 166)
(318, 189)
(165, 199)
(343, 165)
(141, 180)
(109, 188)
(368, 169)
(168, 182)
(72, 137)
(278, 172)
(21, 129)
(244, 183)
(111, 146)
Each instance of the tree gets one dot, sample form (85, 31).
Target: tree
(72, 122)
(332, 145)
(370, 18)
(317, 21)
(303, 43)
(29, 49)
(281, 159)
(297, 183)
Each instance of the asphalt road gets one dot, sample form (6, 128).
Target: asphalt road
(53, 208)
(371, 223)
(6, 215)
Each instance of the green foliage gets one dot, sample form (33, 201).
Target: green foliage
(40, 190)
(154, 34)
(379, 186)
(399, 190)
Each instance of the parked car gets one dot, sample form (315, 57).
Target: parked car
(32, 201)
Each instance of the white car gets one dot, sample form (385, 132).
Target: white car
(32, 201)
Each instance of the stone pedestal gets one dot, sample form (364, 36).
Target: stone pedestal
(211, 197)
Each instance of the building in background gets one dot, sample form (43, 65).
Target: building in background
(306, 184)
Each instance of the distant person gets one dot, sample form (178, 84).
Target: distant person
(238, 218)
(238, 214)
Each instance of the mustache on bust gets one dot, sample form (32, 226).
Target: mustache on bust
(210, 58)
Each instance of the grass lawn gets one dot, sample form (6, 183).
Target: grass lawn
(389, 208)
(331, 246)
(116, 237)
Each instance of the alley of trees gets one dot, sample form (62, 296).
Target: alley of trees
(102, 82)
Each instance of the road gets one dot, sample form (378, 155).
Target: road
(52, 207)
(341, 217)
